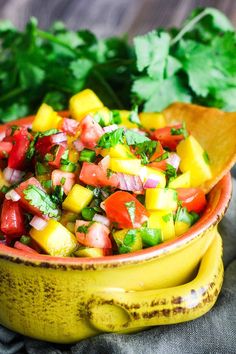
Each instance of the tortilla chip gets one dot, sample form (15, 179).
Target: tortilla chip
(215, 130)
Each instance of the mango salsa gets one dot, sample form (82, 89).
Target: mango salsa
(77, 199)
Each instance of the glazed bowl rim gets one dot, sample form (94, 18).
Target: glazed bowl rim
(209, 218)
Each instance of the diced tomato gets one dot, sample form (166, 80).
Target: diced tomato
(69, 126)
(167, 139)
(192, 198)
(160, 165)
(17, 156)
(5, 148)
(96, 176)
(23, 201)
(20, 246)
(96, 235)
(125, 210)
(65, 179)
(45, 143)
(58, 155)
(158, 152)
(91, 132)
(12, 219)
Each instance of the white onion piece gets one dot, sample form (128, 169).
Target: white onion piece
(151, 182)
(12, 176)
(129, 182)
(102, 219)
(105, 163)
(78, 145)
(110, 128)
(2, 135)
(58, 138)
(38, 223)
(174, 160)
(12, 195)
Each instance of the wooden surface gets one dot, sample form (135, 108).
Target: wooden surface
(109, 17)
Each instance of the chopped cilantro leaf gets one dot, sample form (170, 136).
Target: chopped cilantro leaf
(206, 158)
(116, 117)
(170, 171)
(58, 195)
(111, 139)
(180, 131)
(83, 229)
(146, 150)
(167, 217)
(134, 138)
(41, 200)
(133, 117)
(163, 157)
(131, 208)
(49, 132)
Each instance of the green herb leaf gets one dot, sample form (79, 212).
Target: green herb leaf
(131, 208)
(41, 200)
(133, 138)
(206, 158)
(180, 131)
(111, 139)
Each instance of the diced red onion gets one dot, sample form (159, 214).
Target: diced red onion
(38, 223)
(2, 135)
(151, 182)
(110, 128)
(174, 160)
(102, 219)
(105, 163)
(129, 182)
(12, 176)
(58, 138)
(12, 195)
(78, 145)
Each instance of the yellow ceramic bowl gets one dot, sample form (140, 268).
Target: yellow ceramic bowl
(68, 299)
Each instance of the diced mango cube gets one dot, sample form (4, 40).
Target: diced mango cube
(3, 182)
(162, 220)
(149, 173)
(192, 159)
(182, 181)
(128, 240)
(119, 151)
(77, 199)
(152, 120)
(181, 227)
(55, 239)
(129, 166)
(84, 102)
(161, 199)
(46, 118)
(89, 252)
(125, 122)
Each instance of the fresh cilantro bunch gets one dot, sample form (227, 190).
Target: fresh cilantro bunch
(196, 63)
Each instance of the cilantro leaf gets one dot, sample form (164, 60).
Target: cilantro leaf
(134, 138)
(111, 139)
(41, 200)
(206, 157)
(170, 171)
(180, 131)
(133, 117)
(131, 208)
(146, 150)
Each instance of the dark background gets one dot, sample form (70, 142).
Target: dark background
(109, 17)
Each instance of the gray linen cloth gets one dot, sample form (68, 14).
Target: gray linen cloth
(214, 333)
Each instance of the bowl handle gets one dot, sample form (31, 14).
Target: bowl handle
(116, 311)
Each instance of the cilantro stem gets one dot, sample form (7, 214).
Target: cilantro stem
(51, 38)
(189, 26)
(12, 93)
(108, 88)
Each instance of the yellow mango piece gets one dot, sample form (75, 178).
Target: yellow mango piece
(84, 102)
(161, 199)
(181, 227)
(3, 182)
(192, 159)
(123, 240)
(89, 252)
(46, 118)
(124, 115)
(149, 172)
(119, 151)
(182, 181)
(162, 220)
(77, 199)
(55, 239)
(152, 120)
(131, 166)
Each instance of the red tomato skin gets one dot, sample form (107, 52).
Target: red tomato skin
(160, 165)
(97, 235)
(91, 132)
(117, 212)
(193, 199)
(32, 181)
(165, 137)
(12, 219)
(57, 161)
(96, 176)
(69, 126)
(159, 151)
(17, 156)
(5, 148)
(57, 175)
